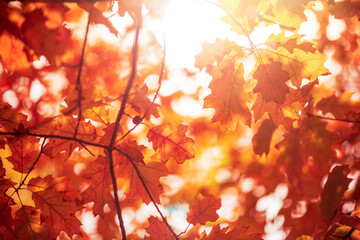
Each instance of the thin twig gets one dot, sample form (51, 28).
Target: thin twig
(161, 73)
(78, 78)
(148, 191)
(156, 93)
(332, 119)
(183, 232)
(54, 136)
(33, 166)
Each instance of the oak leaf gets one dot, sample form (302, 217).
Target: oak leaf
(10, 119)
(64, 127)
(42, 40)
(142, 104)
(225, 233)
(58, 214)
(262, 139)
(158, 230)
(24, 152)
(6, 220)
(148, 174)
(12, 52)
(279, 114)
(28, 224)
(335, 186)
(290, 43)
(342, 107)
(171, 142)
(99, 189)
(228, 96)
(97, 17)
(203, 209)
(213, 52)
(271, 82)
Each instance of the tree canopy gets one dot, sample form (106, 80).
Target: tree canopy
(93, 145)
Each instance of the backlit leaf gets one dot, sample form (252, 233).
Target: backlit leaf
(204, 209)
(171, 142)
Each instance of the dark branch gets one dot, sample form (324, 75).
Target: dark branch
(78, 78)
(54, 136)
(119, 116)
(332, 119)
(33, 166)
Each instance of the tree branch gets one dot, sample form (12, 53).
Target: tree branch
(332, 119)
(78, 78)
(110, 148)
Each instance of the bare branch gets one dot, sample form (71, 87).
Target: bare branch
(119, 116)
(332, 119)
(78, 78)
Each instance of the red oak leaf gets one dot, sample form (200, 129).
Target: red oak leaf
(271, 82)
(97, 17)
(57, 213)
(171, 142)
(158, 230)
(99, 189)
(218, 233)
(142, 104)
(65, 127)
(228, 97)
(10, 119)
(12, 52)
(34, 27)
(6, 220)
(28, 224)
(278, 112)
(261, 140)
(60, 184)
(150, 174)
(24, 152)
(204, 209)
(335, 186)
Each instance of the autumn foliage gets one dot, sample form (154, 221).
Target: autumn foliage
(87, 134)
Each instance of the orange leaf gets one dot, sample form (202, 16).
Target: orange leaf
(150, 174)
(24, 152)
(228, 97)
(142, 104)
(58, 214)
(9, 118)
(171, 142)
(99, 188)
(65, 126)
(262, 139)
(204, 209)
(271, 82)
(28, 224)
(342, 107)
(43, 40)
(278, 112)
(335, 186)
(97, 17)
(12, 52)
(55, 184)
(6, 220)
(158, 230)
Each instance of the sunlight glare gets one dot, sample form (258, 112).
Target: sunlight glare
(186, 24)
